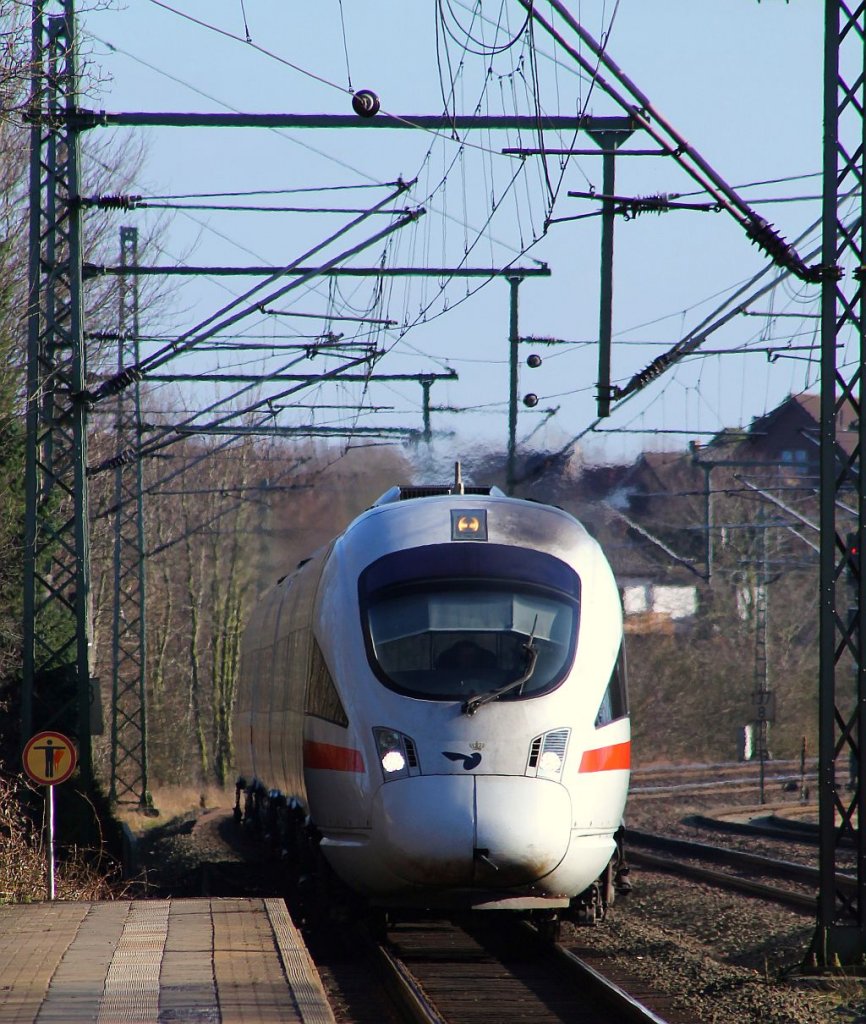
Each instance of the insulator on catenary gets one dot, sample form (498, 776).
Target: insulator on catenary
(530, 400)
(365, 103)
(113, 202)
(124, 458)
(655, 369)
(782, 253)
(658, 203)
(129, 376)
(533, 361)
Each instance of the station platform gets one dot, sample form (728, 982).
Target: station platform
(208, 961)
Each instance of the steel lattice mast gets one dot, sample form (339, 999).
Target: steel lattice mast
(129, 767)
(840, 935)
(56, 657)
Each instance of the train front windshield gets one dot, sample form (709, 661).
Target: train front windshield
(448, 622)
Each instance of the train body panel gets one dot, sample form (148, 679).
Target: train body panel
(442, 690)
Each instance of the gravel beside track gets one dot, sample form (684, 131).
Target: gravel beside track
(728, 957)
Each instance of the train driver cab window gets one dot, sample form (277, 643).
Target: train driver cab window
(449, 623)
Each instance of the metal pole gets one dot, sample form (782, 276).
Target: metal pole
(840, 934)
(49, 807)
(605, 310)
(761, 695)
(78, 411)
(116, 620)
(34, 333)
(513, 347)
(189, 270)
(83, 119)
(129, 741)
(426, 384)
(608, 142)
(708, 511)
(56, 629)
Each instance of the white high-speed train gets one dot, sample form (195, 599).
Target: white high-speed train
(439, 698)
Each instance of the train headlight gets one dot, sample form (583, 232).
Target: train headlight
(550, 763)
(397, 754)
(393, 761)
(547, 754)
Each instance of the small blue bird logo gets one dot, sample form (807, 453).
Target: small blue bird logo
(470, 761)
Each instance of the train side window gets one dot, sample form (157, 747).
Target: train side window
(614, 703)
(291, 660)
(323, 701)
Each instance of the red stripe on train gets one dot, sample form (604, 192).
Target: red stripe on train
(606, 759)
(327, 755)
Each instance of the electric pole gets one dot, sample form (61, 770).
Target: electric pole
(56, 685)
(840, 935)
(129, 760)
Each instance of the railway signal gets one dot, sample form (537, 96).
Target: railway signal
(852, 557)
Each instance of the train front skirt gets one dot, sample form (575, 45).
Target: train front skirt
(476, 841)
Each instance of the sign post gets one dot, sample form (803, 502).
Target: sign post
(50, 758)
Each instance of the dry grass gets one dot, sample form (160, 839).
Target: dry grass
(173, 802)
(79, 874)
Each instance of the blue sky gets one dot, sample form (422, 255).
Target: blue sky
(741, 81)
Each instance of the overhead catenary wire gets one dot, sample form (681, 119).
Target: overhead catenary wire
(171, 435)
(207, 328)
(698, 335)
(426, 201)
(639, 107)
(483, 231)
(483, 35)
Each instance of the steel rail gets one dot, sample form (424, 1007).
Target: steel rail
(728, 783)
(724, 880)
(792, 832)
(403, 987)
(736, 858)
(627, 1009)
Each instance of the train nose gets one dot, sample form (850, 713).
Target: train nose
(522, 829)
(482, 830)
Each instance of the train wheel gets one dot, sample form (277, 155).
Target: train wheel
(549, 928)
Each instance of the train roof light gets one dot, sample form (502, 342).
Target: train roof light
(469, 524)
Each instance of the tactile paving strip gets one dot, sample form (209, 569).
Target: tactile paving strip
(251, 985)
(300, 970)
(131, 992)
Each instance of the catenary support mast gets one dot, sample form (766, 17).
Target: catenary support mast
(840, 936)
(56, 657)
(129, 763)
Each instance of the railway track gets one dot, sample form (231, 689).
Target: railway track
(442, 973)
(689, 858)
(730, 777)
(770, 826)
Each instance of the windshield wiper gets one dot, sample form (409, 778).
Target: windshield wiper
(471, 706)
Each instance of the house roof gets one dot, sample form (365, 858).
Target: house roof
(804, 412)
